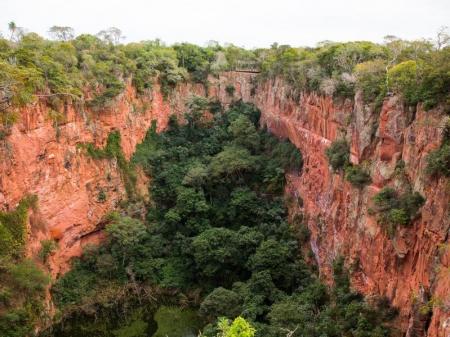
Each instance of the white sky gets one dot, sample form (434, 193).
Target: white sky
(249, 23)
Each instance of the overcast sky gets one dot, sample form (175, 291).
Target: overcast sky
(249, 23)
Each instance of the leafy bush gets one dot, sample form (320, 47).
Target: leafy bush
(371, 78)
(357, 176)
(438, 161)
(230, 89)
(47, 247)
(238, 328)
(28, 278)
(404, 79)
(22, 293)
(395, 209)
(13, 227)
(338, 154)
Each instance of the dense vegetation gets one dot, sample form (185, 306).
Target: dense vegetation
(91, 71)
(22, 282)
(397, 209)
(216, 236)
(417, 70)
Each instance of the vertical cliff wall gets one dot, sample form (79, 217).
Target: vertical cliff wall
(412, 269)
(74, 191)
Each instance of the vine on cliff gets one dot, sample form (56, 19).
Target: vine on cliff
(22, 283)
(113, 150)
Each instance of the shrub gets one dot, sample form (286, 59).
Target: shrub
(13, 226)
(28, 277)
(238, 328)
(338, 154)
(230, 89)
(101, 196)
(357, 176)
(404, 79)
(397, 216)
(370, 79)
(438, 161)
(395, 209)
(47, 247)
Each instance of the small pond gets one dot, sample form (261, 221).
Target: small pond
(166, 321)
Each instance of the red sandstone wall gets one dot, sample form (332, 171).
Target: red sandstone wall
(34, 160)
(417, 260)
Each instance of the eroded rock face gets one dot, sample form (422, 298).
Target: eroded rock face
(416, 262)
(417, 259)
(74, 191)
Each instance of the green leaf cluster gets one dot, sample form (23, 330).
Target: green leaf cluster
(396, 209)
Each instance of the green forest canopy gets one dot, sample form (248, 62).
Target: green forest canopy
(217, 226)
(73, 68)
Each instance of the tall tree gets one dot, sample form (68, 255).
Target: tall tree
(12, 28)
(112, 35)
(442, 38)
(62, 33)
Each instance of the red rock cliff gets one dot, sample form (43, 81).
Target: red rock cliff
(39, 158)
(412, 270)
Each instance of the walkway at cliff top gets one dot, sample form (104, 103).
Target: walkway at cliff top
(248, 70)
(247, 67)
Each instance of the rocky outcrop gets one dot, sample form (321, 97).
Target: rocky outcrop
(412, 269)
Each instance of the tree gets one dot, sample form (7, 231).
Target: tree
(233, 160)
(28, 277)
(442, 38)
(216, 251)
(12, 28)
(438, 161)
(404, 79)
(111, 35)
(244, 133)
(238, 328)
(62, 33)
(395, 47)
(371, 78)
(125, 233)
(357, 176)
(196, 176)
(278, 258)
(221, 302)
(338, 154)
